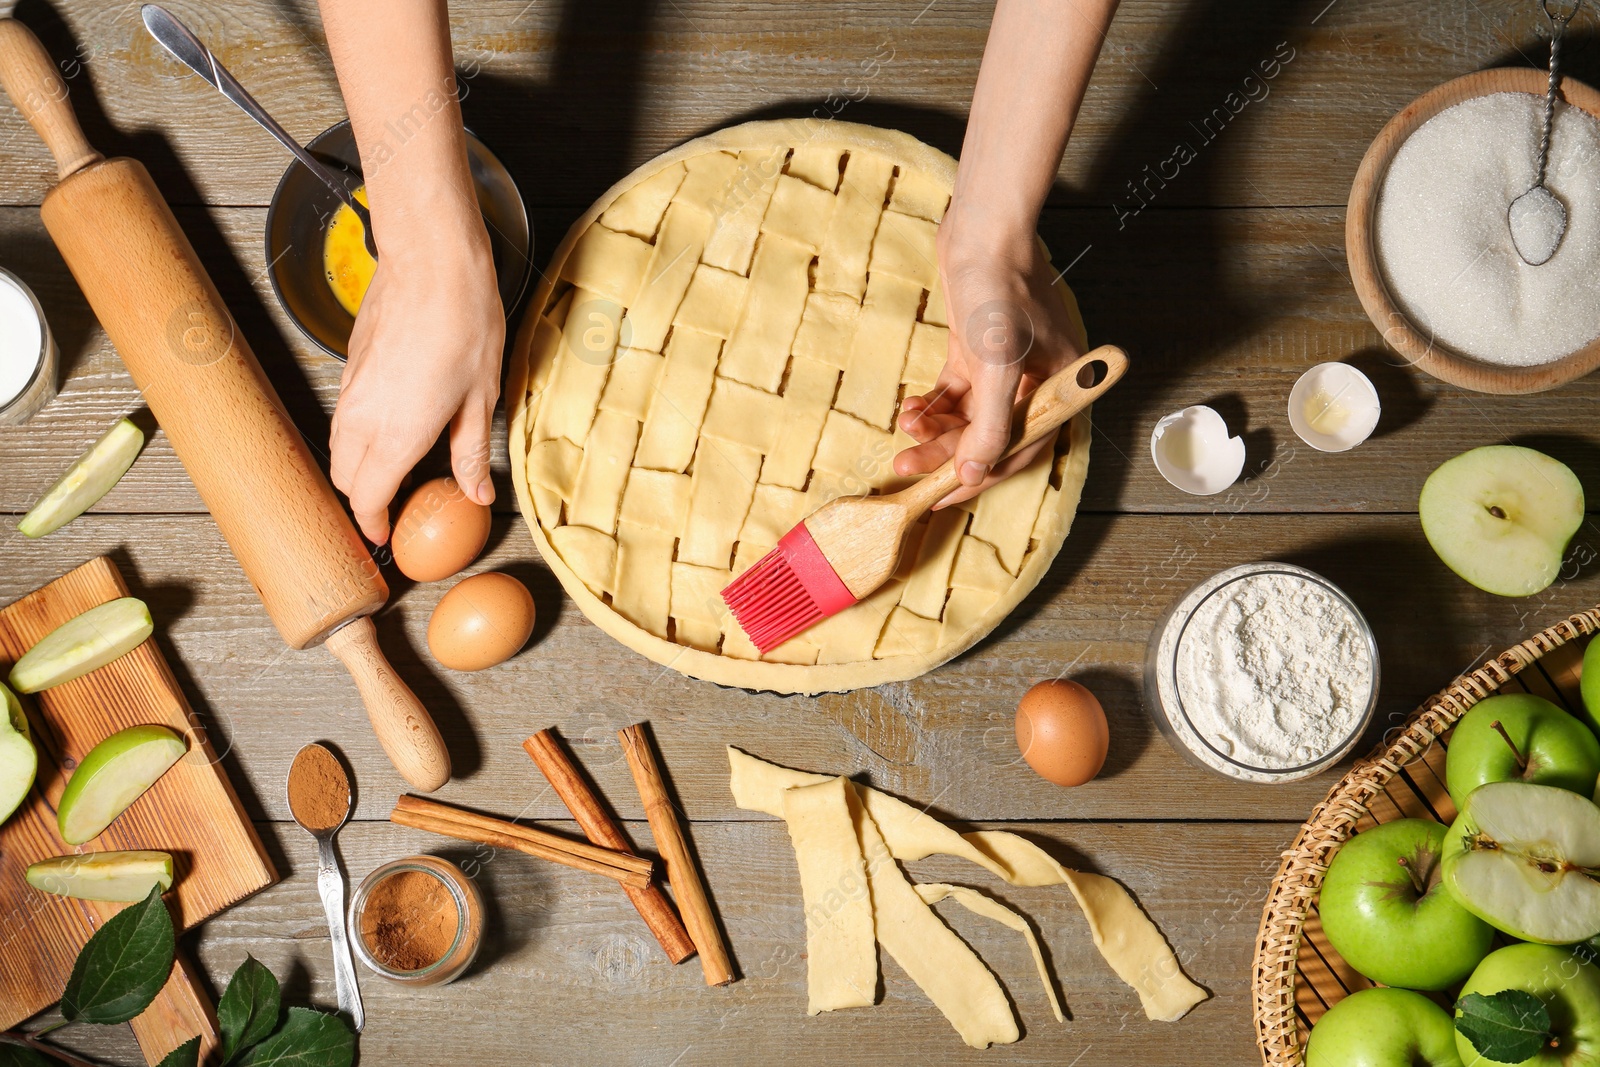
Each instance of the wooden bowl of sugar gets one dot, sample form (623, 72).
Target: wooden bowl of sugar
(1430, 249)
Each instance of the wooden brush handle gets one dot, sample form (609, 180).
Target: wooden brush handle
(404, 728)
(35, 86)
(1040, 413)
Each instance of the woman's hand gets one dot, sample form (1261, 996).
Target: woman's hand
(1009, 331)
(425, 353)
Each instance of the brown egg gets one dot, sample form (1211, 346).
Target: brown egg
(482, 621)
(1062, 732)
(439, 531)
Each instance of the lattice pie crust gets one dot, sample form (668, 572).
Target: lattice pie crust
(719, 347)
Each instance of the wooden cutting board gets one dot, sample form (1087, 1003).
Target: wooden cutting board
(192, 812)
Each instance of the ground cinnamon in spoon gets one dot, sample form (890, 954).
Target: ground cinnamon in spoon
(319, 792)
(409, 921)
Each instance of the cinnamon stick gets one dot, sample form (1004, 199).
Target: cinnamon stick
(447, 821)
(682, 874)
(570, 785)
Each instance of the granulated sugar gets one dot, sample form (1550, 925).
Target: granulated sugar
(1444, 241)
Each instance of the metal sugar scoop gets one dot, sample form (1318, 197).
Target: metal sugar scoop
(1538, 219)
(319, 800)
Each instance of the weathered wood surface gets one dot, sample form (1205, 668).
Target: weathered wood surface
(569, 975)
(1227, 286)
(1222, 307)
(946, 738)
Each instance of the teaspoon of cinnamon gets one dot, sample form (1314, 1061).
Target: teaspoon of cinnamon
(319, 800)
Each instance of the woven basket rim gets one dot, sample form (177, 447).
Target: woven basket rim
(1299, 877)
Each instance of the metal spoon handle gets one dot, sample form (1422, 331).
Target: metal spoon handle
(330, 883)
(1558, 29)
(189, 50)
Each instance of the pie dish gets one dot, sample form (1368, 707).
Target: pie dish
(720, 346)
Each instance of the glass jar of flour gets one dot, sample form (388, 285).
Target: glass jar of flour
(28, 355)
(1265, 672)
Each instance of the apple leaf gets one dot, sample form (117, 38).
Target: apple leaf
(185, 1055)
(15, 1055)
(1510, 1026)
(248, 1011)
(123, 966)
(307, 1038)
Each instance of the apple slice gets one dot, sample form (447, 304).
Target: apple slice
(19, 760)
(82, 644)
(1501, 516)
(113, 775)
(124, 876)
(1525, 859)
(89, 478)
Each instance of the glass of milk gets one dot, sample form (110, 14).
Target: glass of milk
(28, 354)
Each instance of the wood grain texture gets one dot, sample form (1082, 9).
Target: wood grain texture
(605, 995)
(192, 812)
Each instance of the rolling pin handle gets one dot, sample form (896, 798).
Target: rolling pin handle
(35, 86)
(404, 728)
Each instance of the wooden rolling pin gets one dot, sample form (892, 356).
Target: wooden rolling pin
(225, 421)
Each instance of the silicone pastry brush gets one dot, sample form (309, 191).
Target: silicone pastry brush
(849, 547)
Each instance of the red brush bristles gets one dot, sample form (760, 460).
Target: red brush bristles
(790, 588)
(770, 603)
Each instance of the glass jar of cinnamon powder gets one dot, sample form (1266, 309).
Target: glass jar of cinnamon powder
(417, 920)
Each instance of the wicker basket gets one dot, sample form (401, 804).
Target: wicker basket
(1297, 976)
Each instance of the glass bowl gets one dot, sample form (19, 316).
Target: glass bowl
(302, 207)
(468, 929)
(1164, 700)
(41, 386)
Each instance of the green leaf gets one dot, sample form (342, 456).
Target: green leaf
(306, 1039)
(15, 1055)
(248, 1011)
(1510, 1026)
(124, 965)
(185, 1055)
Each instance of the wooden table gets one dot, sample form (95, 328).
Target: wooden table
(1225, 285)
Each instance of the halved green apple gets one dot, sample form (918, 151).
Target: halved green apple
(1501, 516)
(113, 775)
(82, 644)
(19, 760)
(1525, 859)
(90, 477)
(123, 876)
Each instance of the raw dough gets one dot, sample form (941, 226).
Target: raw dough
(746, 313)
(1125, 936)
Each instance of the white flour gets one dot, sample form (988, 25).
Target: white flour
(1274, 671)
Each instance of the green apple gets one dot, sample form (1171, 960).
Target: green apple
(1525, 858)
(113, 775)
(1501, 517)
(124, 876)
(1569, 988)
(1384, 1028)
(19, 760)
(1540, 743)
(82, 644)
(1589, 685)
(1387, 914)
(89, 478)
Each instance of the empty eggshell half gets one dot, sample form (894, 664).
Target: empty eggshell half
(1333, 407)
(1193, 450)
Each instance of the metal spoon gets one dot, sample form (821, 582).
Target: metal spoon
(1538, 220)
(320, 813)
(189, 50)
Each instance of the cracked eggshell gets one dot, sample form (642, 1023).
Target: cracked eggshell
(1333, 407)
(1193, 450)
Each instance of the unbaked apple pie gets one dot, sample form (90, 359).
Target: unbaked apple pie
(719, 347)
